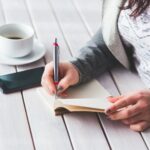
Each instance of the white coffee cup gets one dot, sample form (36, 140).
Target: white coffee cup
(16, 40)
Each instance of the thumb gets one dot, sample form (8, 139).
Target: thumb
(63, 84)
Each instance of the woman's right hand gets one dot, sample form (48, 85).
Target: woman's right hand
(68, 74)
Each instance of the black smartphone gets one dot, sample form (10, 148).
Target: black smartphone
(21, 80)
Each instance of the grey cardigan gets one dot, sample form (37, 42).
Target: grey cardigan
(105, 49)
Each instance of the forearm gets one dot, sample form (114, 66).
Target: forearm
(93, 59)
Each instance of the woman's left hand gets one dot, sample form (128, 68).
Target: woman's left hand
(132, 109)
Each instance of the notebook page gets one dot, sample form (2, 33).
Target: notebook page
(91, 95)
(96, 103)
(47, 98)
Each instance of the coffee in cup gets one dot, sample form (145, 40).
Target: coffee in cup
(16, 40)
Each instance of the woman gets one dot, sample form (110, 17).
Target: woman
(123, 38)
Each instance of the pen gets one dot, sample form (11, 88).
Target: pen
(56, 63)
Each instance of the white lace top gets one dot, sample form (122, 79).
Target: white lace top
(137, 32)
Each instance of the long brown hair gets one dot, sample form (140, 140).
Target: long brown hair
(139, 6)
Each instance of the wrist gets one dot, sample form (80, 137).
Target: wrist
(76, 73)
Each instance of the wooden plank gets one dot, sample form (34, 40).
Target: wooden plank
(46, 27)
(47, 131)
(84, 128)
(90, 9)
(113, 130)
(14, 130)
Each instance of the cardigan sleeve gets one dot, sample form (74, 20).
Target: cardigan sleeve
(93, 59)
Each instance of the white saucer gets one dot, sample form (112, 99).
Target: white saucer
(37, 53)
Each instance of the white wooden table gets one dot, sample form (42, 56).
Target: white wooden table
(25, 122)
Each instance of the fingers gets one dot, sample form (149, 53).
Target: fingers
(64, 83)
(114, 99)
(140, 126)
(64, 94)
(133, 119)
(126, 112)
(68, 74)
(132, 109)
(47, 79)
(47, 87)
(70, 77)
(122, 102)
(143, 115)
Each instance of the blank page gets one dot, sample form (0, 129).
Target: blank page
(91, 94)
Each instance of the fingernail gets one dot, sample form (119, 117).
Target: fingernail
(59, 89)
(108, 111)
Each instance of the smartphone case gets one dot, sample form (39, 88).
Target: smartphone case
(21, 80)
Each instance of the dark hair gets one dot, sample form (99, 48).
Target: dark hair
(139, 6)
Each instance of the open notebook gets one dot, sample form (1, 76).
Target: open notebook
(89, 97)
